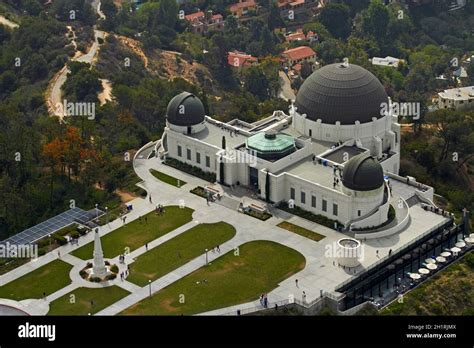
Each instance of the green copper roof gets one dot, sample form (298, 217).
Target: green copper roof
(270, 142)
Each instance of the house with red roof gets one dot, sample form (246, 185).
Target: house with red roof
(299, 35)
(242, 7)
(296, 7)
(299, 55)
(202, 23)
(239, 60)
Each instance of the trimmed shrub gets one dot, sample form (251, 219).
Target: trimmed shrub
(187, 168)
(319, 219)
(61, 240)
(111, 276)
(114, 268)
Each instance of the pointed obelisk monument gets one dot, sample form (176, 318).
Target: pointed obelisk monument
(99, 269)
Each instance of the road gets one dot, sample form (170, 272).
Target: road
(286, 91)
(54, 93)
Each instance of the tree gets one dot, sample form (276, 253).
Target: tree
(256, 82)
(336, 18)
(53, 152)
(376, 20)
(168, 13)
(470, 73)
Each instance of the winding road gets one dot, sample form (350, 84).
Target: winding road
(54, 93)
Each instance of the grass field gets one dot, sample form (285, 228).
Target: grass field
(450, 292)
(257, 268)
(135, 234)
(48, 278)
(301, 231)
(178, 251)
(167, 178)
(101, 297)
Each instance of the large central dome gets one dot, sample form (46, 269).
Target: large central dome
(341, 92)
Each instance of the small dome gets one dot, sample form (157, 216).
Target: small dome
(185, 109)
(341, 92)
(362, 173)
(271, 145)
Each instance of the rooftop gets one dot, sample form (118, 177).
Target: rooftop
(242, 4)
(213, 133)
(312, 171)
(462, 93)
(299, 52)
(343, 154)
(238, 59)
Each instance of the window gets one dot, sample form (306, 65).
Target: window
(188, 154)
(313, 201)
(198, 157)
(303, 197)
(334, 209)
(358, 212)
(310, 133)
(292, 193)
(208, 162)
(180, 151)
(325, 205)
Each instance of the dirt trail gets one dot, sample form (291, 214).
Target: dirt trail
(5, 21)
(106, 94)
(135, 46)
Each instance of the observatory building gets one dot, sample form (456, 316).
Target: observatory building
(333, 153)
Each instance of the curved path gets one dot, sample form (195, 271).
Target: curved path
(54, 94)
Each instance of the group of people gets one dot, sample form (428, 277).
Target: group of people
(264, 300)
(160, 209)
(216, 249)
(122, 258)
(124, 274)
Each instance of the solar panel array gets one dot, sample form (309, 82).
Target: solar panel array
(54, 224)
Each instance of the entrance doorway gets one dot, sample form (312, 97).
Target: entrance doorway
(253, 178)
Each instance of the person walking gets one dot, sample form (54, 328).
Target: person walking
(296, 282)
(304, 297)
(390, 252)
(149, 198)
(146, 246)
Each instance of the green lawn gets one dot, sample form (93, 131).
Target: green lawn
(301, 231)
(449, 292)
(231, 279)
(48, 278)
(167, 178)
(136, 234)
(102, 297)
(179, 250)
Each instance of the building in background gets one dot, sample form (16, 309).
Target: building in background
(456, 98)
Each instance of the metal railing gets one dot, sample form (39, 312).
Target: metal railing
(283, 303)
(397, 253)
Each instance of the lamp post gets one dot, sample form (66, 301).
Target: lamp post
(149, 284)
(107, 215)
(96, 211)
(206, 255)
(49, 236)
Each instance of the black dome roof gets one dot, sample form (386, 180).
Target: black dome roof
(341, 92)
(362, 173)
(185, 109)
